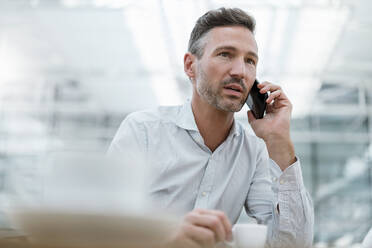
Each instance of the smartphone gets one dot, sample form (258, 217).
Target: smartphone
(257, 101)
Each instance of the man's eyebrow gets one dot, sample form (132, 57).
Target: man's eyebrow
(251, 53)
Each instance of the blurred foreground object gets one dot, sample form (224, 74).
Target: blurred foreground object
(52, 228)
(89, 200)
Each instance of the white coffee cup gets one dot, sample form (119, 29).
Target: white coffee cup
(248, 236)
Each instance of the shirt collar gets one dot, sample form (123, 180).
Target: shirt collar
(186, 120)
(235, 129)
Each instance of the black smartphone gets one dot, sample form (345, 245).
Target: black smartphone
(257, 101)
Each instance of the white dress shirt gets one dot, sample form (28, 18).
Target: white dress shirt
(367, 241)
(186, 175)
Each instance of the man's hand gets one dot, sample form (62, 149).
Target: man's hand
(202, 228)
(274, 127)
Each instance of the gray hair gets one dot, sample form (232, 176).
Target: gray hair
(217, 18)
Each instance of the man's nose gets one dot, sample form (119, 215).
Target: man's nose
(238, 69)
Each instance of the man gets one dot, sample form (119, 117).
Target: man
(204, 163)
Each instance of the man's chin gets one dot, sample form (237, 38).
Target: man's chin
(231, 107)
(237, 109)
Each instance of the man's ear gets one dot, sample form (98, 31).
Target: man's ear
(189, 65)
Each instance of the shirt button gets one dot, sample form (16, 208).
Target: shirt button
(274, 179)
(204, 193)
(281, 181)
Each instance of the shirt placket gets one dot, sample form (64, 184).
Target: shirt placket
(206, 184)
(205, 190)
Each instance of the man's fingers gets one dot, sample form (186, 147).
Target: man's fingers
(208, 221)
(202, 236)
(272, 88)
(280, 104)
(276, 94)
(267, 86)
(273, 95)
(223, 219)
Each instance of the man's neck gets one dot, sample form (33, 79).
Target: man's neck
(214, 125)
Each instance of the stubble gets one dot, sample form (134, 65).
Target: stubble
(213, 95)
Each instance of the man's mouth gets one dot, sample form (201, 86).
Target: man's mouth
(234, 87)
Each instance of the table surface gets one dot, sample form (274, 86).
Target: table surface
(22, 242)
(10, 238)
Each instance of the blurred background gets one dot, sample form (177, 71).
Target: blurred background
(71, 70)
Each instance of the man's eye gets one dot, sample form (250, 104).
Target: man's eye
(251, 61)
(224, 54)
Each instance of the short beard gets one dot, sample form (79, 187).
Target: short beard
(213, 97)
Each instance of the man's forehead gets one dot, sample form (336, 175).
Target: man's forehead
(239, 37)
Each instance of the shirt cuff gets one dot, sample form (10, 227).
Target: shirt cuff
(289, 179)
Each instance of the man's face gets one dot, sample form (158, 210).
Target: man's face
(226, 71)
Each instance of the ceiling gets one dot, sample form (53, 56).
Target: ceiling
(128, 54)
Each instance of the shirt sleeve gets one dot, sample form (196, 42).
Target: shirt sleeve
(292, 225)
